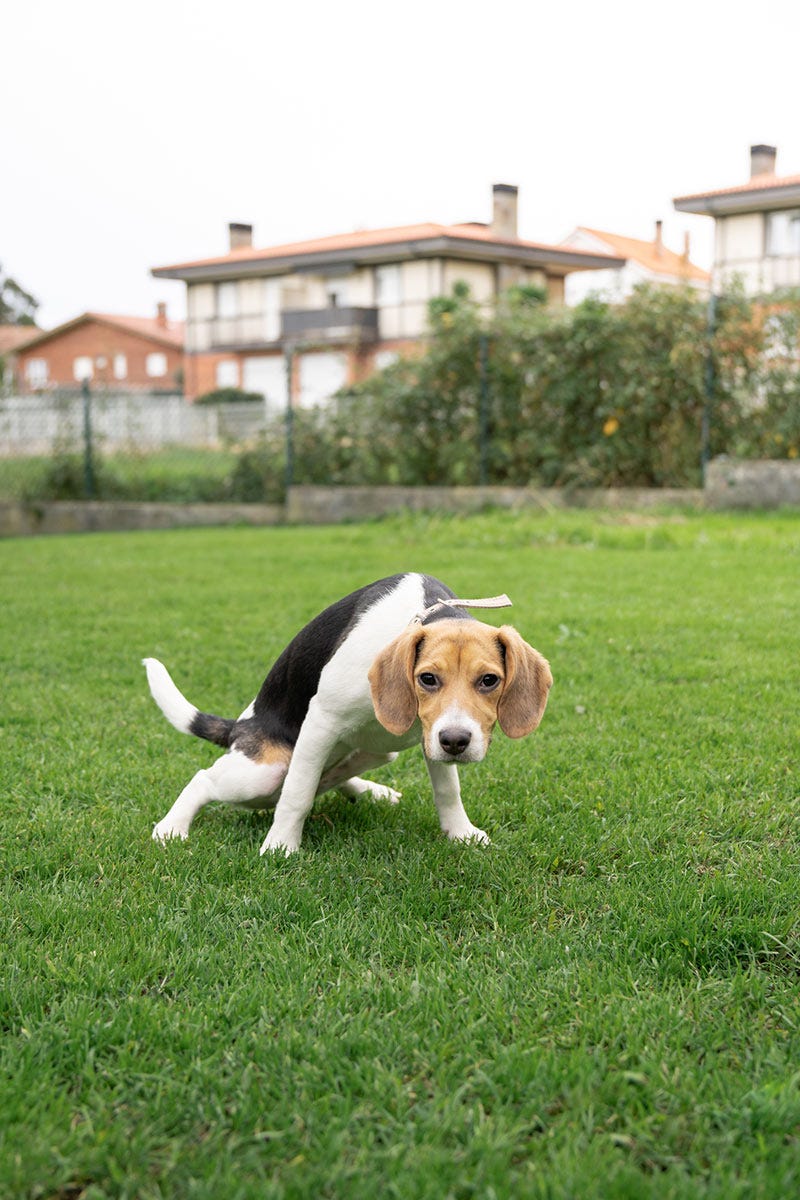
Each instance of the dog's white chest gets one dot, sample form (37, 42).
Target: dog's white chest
(372, 738)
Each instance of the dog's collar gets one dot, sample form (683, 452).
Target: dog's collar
(490, 602)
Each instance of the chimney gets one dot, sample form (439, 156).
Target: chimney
(504, 210)
(658, 241)
(686, 246)
(240, 236)
(161, 315)
(762, 160)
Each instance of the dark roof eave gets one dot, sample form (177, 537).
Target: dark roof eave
(559, 261)
(721, 203)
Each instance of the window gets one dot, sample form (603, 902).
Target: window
(388, 289)
(227, 373)
(120, 366)
(321, 375)
(384, 359)
(267, 374)
(337, 292)
(36, 372)
(783, 233)
(227, 300)
(83, 368)
(156, 365)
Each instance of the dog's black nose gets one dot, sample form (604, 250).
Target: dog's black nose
(454, 741)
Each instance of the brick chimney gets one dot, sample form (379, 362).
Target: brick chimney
(762, 160)
(658, 241)
(504, 210)
(240, 236)
(161, 315)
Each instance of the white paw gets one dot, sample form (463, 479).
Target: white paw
(164, 832)
(469, 834)
(378, 791)
(279, 844)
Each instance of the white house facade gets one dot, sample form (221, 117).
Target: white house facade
(342, 306)
(756, 227)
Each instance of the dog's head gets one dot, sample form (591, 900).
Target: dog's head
(460, 678)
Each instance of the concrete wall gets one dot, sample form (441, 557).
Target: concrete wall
(19, 519)
(728, 485)
(766, 484)
(330, 505)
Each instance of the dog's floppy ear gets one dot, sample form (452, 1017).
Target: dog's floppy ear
(528, 680)
(391, 681)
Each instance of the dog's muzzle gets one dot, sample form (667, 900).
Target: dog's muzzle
(456, 738)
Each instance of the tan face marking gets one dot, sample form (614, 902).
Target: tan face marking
(458, 680)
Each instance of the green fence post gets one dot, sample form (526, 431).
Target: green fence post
(289, 421)
(483, 411)
(88, 460)
(708, 386)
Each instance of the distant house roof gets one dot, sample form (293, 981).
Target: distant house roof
(652, 255)
(12, 337)
(764, 191)
(156, 329)
(469, 240)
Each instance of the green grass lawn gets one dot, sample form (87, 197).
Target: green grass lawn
(604, 1003)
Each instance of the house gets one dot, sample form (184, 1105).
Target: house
(12, 337)
(756, 227)
(645, 262)
(345, 305)
(124, 353)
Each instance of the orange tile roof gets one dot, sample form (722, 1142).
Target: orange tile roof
(665, 262)
(170, 331)
(428, 231)
(171, 334)
(757, 184)
(12, 337)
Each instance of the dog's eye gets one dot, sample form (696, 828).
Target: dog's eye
(428, 680)
(487, 683)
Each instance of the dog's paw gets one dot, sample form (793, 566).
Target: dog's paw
(379, 791)
(279, 844)
(470, 833)
(165, 832)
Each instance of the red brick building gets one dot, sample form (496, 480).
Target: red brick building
(141, 353)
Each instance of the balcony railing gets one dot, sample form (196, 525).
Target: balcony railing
(332, 325)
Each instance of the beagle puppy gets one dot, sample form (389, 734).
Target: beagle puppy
(392, 664)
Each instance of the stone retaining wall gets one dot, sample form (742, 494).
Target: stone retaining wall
(770, 483)
(729, 484)
(90, 516)
(331, 505)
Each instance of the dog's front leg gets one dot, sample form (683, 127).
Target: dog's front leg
(317, 739)
(447, 798)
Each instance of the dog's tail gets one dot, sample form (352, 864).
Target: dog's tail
(180, 713)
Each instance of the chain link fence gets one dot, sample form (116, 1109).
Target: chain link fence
(92, 444)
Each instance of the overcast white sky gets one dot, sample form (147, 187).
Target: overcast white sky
(132, 134)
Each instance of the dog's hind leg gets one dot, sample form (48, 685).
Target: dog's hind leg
(233, 779)
(356, 787)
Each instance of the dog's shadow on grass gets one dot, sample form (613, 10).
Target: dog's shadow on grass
(334, 821)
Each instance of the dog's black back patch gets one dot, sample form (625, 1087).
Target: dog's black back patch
(282, 703)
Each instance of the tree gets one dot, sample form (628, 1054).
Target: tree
(17, 307)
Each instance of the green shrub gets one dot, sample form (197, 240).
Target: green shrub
(230, 395)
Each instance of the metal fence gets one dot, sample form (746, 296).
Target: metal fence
(65, 444)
